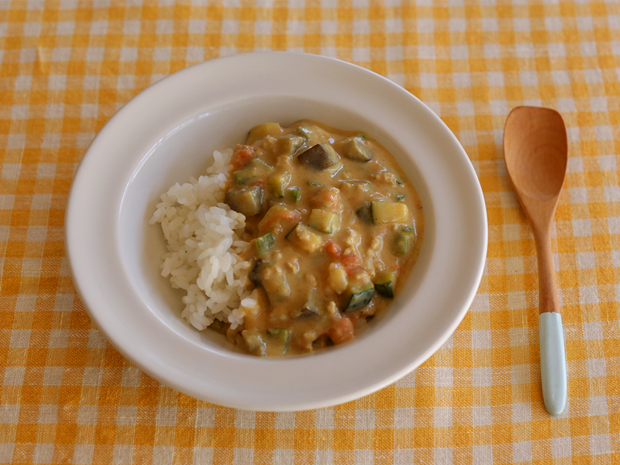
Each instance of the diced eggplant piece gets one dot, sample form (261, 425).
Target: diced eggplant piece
(384, 283)
(323, 221)
(254, 341)
(254, 275)
(319, 157)
(387, 212)
(295, 193)
(356, 148)
(289, 144)
(278, 182)
(248, 200)
(265, 243)
(358, 296)
(262, 130)
(280, 337)
(364, 213)
(303, 238)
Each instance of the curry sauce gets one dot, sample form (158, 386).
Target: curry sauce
(335, 228)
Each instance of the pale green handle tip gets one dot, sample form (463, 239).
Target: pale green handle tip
(552, 362)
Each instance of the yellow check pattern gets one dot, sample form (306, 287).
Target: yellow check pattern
(66, 396)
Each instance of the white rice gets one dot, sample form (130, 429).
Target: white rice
(204, 247)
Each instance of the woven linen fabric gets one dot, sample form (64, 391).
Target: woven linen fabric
(67, 396)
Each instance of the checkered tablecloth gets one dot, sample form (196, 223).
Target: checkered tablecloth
(66, 396)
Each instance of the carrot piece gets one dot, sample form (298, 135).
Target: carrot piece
(342, 332)
(242, 155)
(333, 249)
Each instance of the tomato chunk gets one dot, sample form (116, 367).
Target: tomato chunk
(351, 262)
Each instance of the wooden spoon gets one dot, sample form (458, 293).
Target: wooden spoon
(536, 153)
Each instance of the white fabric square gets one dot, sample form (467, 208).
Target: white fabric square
(10, 171)
(48, 414)
(404, 418)
(279, 456)
(561, 447)
(166, 26)
(521, 413)
(607, 162)
(443, 417)
(585, 260)
(442, 456)
(482, 455)
(285, 420)
(482, 416)
(83, 454)
(43, 453)
(522, 451)
(324, 419)
(20, 338)
(164, 455)
(363, 457)
(166, 416)
(9, 414)
(126, 415)
(203, 455)
(205, 417)
(123, 454)
(6, 453)
(245, 419)
(481, 339)
(489, 24)
(599, 444)
(59, 338)
(592, 331)
(480, 303)
(589, 295)
(96, 340)
(364, 419)
(92, 376)
(457, 24)
(597, 406)
(132, 377)
(597, 367)
(582, 228)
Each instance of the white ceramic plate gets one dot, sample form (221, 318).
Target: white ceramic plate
(168, 133)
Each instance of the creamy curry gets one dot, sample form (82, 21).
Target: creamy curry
(335, 228)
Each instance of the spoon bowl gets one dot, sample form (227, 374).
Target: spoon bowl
(537, 162)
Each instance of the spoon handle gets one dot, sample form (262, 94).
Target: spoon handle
(552, 352)
(548, 300)
(552, 362)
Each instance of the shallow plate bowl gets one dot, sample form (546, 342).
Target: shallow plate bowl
(168, 132)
